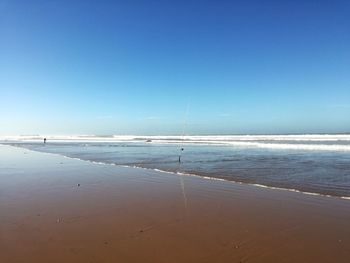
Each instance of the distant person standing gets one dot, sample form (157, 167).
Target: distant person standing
(44, 140)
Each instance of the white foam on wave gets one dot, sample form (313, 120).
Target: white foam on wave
(337, 142)
(291, 137)
(290, 146)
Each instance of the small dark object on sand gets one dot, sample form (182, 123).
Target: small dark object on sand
(44, 140)
(78, 184)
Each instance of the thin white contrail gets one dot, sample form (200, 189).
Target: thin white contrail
(181, 149)
(183, 190)
(184, 129)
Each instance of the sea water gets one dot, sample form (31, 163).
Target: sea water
(317, 164)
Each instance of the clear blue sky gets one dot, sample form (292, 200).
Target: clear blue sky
(132, 67)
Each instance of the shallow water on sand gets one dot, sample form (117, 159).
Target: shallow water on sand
(319, 165)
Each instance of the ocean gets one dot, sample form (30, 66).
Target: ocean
(312, 164)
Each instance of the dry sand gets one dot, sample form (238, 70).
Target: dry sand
(55, 209)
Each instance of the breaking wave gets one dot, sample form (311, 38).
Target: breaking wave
(311, 142)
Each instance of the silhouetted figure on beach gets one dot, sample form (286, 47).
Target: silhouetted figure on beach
(44, 140)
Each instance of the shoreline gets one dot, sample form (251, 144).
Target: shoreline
(59, 209)
(194, 175)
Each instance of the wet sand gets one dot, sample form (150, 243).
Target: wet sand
(55, 209)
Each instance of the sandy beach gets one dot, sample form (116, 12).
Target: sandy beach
(56, 209)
